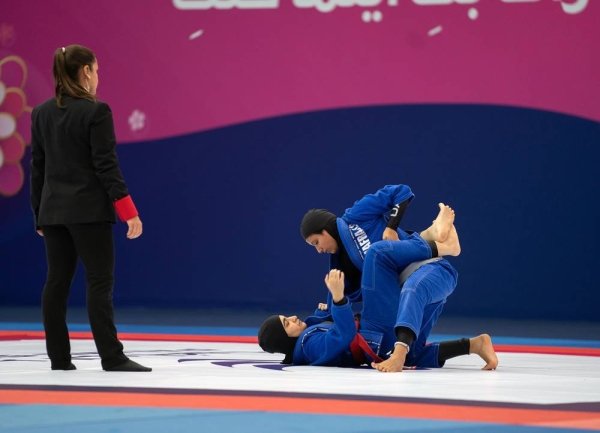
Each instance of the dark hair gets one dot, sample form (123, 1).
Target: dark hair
(315, 221)
(68, 62)
(272, 338)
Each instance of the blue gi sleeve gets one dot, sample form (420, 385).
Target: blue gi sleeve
(321, 313)
(373, 206)
(324, 348)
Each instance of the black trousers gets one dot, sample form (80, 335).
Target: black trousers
(93, 244)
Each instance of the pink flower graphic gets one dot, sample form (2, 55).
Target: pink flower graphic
(13, 106)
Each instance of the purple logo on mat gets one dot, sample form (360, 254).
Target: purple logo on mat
(221, 357)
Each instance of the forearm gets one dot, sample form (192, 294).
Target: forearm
(381, 203)
(344, 328)
(397, 214)
(104, 158)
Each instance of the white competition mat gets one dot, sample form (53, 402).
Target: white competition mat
(523, 378)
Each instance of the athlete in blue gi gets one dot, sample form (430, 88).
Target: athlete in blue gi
(333, 340)
(425, 283)
(371, 219)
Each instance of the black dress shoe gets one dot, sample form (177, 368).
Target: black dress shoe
(71, 366)
(128, 365)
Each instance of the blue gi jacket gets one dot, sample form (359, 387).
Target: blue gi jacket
(328, 344)
(363, 224)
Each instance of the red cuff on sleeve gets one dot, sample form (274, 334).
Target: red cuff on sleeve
(125, 208)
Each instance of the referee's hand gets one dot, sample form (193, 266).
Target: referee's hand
(135, 228)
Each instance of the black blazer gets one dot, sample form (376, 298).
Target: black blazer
(75, 176)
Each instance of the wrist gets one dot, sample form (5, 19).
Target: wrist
(338, 302)
(125, 208)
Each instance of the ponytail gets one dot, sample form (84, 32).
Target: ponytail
(68, 62)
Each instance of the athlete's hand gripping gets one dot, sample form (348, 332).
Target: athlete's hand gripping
(334, 281)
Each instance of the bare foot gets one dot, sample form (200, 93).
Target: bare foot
(394, 364)
(442, 224)
(451, 246)
(440, 228)
(482, 346)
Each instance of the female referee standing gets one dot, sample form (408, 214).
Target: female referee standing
(76, 186)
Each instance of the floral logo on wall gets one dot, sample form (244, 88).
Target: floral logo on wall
(13, 124)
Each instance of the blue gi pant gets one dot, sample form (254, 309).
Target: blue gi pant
(416, 305)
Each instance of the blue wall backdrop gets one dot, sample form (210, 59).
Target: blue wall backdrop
(221, 209)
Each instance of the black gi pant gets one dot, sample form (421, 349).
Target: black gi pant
(93, 244)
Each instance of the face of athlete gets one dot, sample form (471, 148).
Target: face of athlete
(292, 325)
(323, 242)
